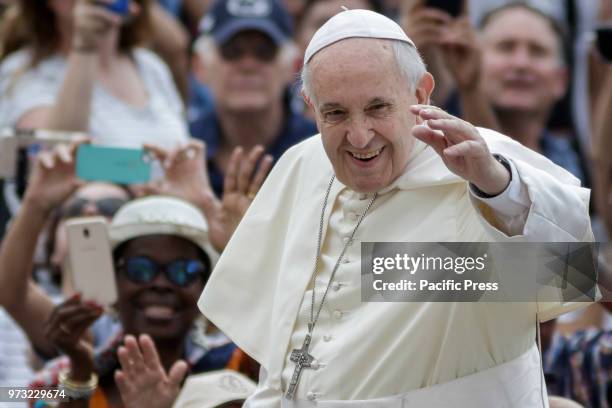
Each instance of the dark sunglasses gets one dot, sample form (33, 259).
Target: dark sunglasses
(143, 270)
(106, 206)
(264, 51)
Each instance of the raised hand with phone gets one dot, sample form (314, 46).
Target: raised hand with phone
(186, 176)
(53, 178)
(442, 30)
(52, 181)
(426, 23)
(95, 21)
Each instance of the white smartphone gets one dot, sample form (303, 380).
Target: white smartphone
(90, 260)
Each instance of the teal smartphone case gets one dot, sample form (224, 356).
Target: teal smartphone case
(113, 164)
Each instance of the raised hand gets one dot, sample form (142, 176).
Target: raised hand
(461, 147)
(53, 177)
(142, 380)
(67, 328)
(462, 53)
(243, 179)
(425, 25)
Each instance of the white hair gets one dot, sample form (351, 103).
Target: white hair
(408, 60)
(206, 48)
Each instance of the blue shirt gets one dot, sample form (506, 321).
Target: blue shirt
(208, 129)
(560, 151)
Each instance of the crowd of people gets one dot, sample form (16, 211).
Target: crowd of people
(217, 92)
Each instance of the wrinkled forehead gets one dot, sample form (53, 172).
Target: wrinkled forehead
(354, 70)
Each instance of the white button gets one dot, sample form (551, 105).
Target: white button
(336, 286)
(363, 196)
(346, 240)
(327, 338)
(311, 396)
(338, 314)
(315, 365)
(353, 216)
(345, 260)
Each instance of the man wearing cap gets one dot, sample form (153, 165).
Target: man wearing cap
(246, 57)
(386, 167)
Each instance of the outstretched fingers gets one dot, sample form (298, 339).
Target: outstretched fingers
(433, 138)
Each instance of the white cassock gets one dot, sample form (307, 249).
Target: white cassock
(394, 354)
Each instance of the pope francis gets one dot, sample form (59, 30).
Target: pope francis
(386, 167)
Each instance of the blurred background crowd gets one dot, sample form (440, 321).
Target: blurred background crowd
(209, 88)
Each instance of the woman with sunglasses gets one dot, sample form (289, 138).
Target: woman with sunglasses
(54, 179)
(79, 65)
(162, 257)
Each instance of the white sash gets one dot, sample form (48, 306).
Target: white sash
(519, 383)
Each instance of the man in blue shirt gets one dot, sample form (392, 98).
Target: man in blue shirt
(247, 60)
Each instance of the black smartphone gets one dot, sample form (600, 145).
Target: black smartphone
(452, 7)
(604, 41)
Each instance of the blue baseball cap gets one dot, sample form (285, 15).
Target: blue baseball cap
(227, 18)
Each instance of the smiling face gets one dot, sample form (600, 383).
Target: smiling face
(159, 308)
(522, 65)
(361, 102)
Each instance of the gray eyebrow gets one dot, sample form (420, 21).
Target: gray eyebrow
(329, 105)
(378, 100)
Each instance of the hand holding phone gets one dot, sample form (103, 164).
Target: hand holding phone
(90, 261)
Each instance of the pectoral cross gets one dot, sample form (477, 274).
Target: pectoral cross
(302, 360)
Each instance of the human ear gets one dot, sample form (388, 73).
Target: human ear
(424, 88)
(307, 99)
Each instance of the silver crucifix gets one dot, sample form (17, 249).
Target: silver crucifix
(302, 360)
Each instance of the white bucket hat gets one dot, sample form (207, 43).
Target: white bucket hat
(355, 24)
(161, 215)
(214, 388)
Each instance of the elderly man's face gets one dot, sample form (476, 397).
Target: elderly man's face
(361, 102)
(246, 74)
(522, 68)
